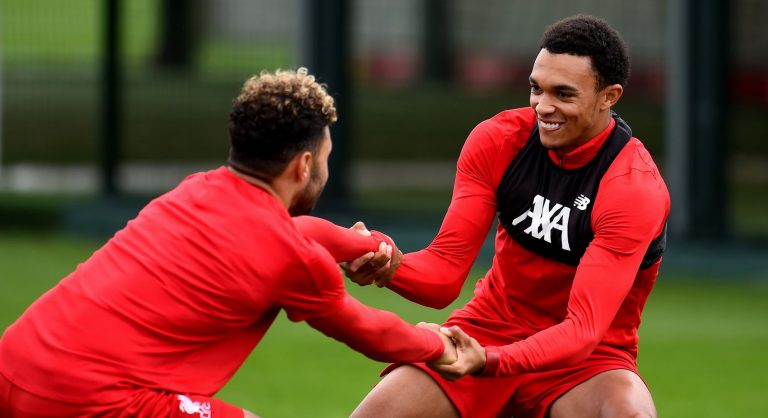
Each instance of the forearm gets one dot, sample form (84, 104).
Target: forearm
(602, 283)
(427, 278)
(343, 243)
(434, 276)
(379, 335)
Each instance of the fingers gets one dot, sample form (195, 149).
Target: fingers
(370, 267)
(469, 353)
(460, 337)
(378, 267)
(371, 261)
(388, 274)
(449, 355)
(389, 256)
(355, 264)
(380, 258)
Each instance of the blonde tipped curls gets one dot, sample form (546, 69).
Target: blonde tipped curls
(288, 91)
(275, 116)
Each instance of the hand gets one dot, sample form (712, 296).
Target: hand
(449, 353)
(471, 355)
(383, 275)
(374, 268)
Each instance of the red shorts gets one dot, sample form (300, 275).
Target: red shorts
(18, 403)
(524, 396)
(528, 395)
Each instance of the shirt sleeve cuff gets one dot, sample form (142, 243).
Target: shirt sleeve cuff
(491, 362)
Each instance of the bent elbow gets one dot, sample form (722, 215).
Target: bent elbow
(444, 299)
(439, 298)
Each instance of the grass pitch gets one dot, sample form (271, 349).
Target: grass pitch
(703, 351)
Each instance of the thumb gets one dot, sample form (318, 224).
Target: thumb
(360, 228)
(459, 337)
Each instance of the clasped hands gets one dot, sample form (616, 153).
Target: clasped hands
(374, 267)
(463, 355)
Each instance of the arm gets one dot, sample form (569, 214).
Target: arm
(626, 218)
(434, 276)
(343, 244)
(312, 290)
(382, 335)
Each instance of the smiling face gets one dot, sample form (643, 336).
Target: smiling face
(569, 108)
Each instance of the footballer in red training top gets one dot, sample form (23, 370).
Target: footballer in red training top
(156, 321)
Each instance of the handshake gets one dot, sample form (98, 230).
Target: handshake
(463, 355)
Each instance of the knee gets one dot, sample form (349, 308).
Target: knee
(627, 411)
(641, 415)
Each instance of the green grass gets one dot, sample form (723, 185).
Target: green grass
(704, 347)
(31, 263)
(704, 343)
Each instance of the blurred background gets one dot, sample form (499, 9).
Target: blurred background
(105, 104)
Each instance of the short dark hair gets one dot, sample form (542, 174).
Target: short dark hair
(590, 36)
(275, 117)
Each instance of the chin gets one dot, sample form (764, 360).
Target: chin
(548, 144)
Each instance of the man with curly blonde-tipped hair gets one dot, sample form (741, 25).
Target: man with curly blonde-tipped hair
(155, 322)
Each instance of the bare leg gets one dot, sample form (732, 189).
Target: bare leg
(615, 393)
(249, 414)
(406, 392)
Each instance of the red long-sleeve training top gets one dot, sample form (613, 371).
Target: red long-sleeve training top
(555, 313)
(178, 299)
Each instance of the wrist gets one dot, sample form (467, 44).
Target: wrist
(491, 363)
(380, 236)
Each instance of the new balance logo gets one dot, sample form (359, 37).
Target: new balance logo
(188, 406)
(545, 218)
(581, 202)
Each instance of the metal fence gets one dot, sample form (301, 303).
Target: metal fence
(424, 72)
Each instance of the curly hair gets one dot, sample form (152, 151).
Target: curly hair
(275, 117)
(592, 37)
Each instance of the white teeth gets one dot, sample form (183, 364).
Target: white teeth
(549, 125)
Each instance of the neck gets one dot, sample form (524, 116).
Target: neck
(262, 184)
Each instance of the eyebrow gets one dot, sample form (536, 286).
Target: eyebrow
(559, 87)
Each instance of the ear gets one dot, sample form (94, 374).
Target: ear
(303, 166)
(610, 95)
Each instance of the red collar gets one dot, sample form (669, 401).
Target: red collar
(585, 152)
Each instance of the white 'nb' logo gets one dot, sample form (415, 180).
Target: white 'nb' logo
(188, 406)
(545, 218)
(581, 202)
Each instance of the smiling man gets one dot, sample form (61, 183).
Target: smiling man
(552, 328)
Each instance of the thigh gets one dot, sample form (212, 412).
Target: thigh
(403, 393)
(613, 393)
(417, 391)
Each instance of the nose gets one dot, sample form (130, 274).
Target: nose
(542, 105)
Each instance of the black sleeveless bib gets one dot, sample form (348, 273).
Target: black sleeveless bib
(547, 209)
